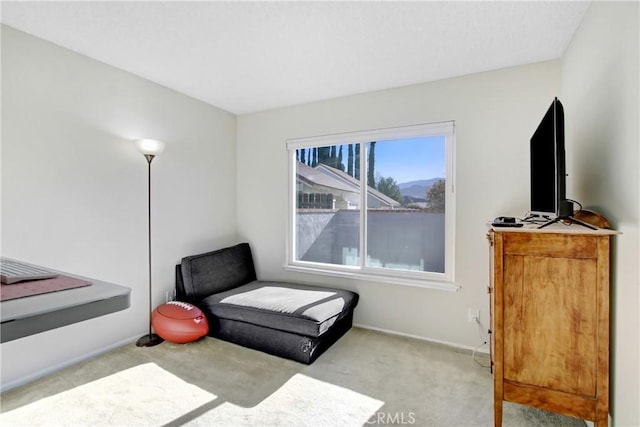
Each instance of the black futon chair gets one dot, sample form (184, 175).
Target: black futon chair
(289, 320)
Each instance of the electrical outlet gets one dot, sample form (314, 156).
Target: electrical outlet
(473, 315)
(170, 295)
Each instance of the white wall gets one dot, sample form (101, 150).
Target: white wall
(600, 80)
(67, 121)
(74, 189)
(495, 114)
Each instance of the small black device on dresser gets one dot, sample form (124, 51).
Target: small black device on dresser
(506, 221)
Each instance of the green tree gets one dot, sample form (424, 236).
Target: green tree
(435, 197)
(350, 160)
(371, 181)
(324, 155)
(389, 187)
(329, 156)
(331, 160)
(356, 163)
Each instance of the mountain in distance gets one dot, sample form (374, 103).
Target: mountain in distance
(417, 188)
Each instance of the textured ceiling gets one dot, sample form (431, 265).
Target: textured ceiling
(252, 56)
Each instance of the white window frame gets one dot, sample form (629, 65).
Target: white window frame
(444, 280)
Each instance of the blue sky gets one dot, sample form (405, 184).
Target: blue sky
(407, 159)
(411, 159)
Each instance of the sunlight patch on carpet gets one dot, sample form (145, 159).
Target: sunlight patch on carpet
(301, 401)
(145, 395)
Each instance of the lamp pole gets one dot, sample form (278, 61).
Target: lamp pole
(149, 148)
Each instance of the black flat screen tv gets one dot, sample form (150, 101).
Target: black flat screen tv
(548, 183)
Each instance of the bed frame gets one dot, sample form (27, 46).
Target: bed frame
(213, 281)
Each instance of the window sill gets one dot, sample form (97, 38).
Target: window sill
(388, 279)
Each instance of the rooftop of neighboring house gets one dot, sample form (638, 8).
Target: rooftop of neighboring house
(331, 177)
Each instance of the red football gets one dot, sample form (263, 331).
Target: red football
(179, 322)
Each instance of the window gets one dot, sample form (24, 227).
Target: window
(374, 204)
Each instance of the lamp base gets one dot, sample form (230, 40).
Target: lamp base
(149, 340)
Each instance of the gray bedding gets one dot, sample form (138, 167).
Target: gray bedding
(294, 308)
(319, 305)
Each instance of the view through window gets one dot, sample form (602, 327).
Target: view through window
(375, 201)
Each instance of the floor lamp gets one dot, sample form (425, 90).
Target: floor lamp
(150, 148)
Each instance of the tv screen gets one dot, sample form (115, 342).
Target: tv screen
(548, 163)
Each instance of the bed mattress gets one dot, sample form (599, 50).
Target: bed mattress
(299, 309)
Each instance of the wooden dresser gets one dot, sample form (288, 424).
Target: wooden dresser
(550, 319)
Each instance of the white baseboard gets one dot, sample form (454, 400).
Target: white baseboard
(480, 349)
(53, 368)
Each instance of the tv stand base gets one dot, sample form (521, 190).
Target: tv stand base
(569, 219)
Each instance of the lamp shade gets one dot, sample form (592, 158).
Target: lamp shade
(149, 147)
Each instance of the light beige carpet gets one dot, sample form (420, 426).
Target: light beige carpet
(142, 395)
(367, 378)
